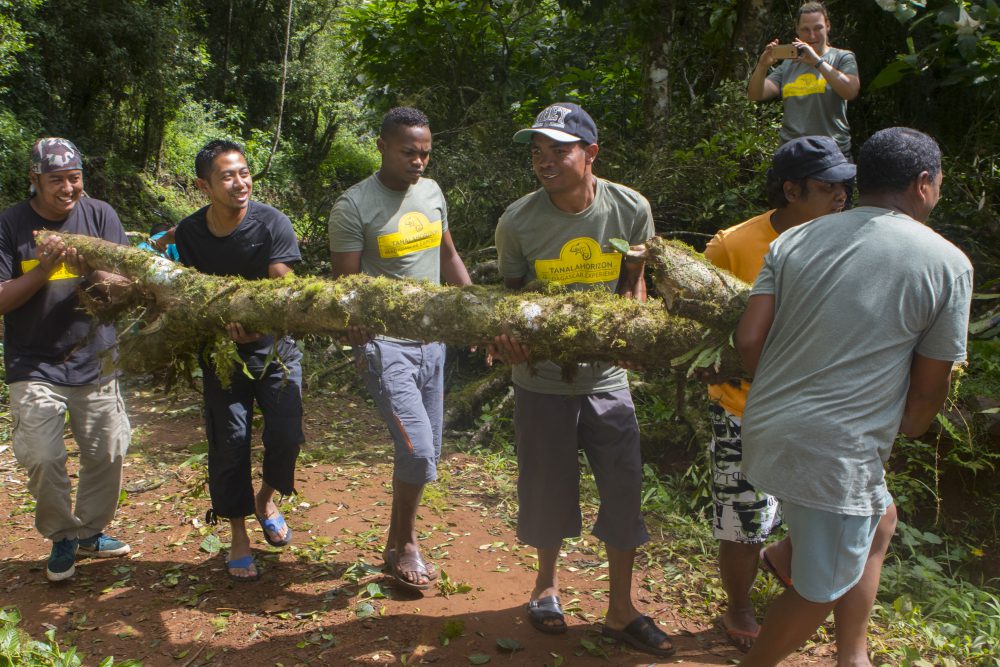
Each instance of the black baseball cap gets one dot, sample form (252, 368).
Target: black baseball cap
(815, 157)
(563, 121)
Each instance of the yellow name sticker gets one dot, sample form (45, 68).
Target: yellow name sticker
(805, 84)
(62, 273)
(580, 261)
(415, 233)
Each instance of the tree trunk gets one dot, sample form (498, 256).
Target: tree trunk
(181, 310)
(281, 97)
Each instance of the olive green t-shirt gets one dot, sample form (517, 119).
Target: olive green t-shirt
(536, 240)
(398, 232)
(812, 106)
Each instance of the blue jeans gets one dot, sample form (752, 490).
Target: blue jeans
(406, 381)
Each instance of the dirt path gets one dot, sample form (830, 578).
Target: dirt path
(321, 602)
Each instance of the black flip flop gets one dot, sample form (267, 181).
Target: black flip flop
(547, 609)
(642, 635)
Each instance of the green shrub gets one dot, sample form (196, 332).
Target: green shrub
(16, 139)
(195, 124)
(705, 169)
(351, 159)
(18, 648)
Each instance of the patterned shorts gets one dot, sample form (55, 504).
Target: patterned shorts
(741, 512)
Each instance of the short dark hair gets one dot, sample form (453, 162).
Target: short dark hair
(811, 8)
(893, 158)
(405, 117)
(212, 150)
(774, 189)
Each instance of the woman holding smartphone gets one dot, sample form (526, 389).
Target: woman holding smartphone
(815, 81)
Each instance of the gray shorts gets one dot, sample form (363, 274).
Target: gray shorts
(549, 430)
(741, 512)
(406, 381)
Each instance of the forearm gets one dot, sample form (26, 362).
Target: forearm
(757, 87)
(753, 329)
(844, 85)
(453, 271)
(633, 282)
(16, 292)
(922, 406)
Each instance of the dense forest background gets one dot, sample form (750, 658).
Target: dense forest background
(140, 86)
(303, 83)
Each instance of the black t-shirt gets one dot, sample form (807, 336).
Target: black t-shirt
(264, 237)
(50, 337)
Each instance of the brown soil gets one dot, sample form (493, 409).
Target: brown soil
(170, 602)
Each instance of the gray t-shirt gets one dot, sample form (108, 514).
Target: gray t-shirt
(812, 106)
(856, 294)
(536, 240)
(398, 233)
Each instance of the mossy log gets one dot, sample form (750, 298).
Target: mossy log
(176, 310)
(693, 287)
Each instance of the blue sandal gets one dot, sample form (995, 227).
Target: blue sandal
(274, 526)
(242, 564)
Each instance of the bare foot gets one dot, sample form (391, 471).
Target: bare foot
(741, 628)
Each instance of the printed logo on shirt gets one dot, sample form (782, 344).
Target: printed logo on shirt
(62, 273)
(805, 84)
(415, 233)
(580, 261)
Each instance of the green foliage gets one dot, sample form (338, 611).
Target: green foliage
(934, 614)
(195, 124)
(15, 147)
(961, 43)
(18, 649)
(705, 173)
(351, 159)
(13, 39)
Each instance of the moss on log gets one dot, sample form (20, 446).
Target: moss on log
(175, 310)
(693, 287)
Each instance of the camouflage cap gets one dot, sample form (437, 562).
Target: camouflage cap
(55, 154)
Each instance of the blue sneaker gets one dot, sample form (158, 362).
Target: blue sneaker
(61, 560)
(103, 546)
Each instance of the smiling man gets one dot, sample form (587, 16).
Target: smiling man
(235, 236)
(395, 224)
(52, 356)
(561, 233)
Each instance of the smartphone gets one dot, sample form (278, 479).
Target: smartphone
(785, 51)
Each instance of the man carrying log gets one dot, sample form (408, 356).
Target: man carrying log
(395, 224)
(53, 353)
(850, 333)
(235, 236)
(561, 233)
(809, 177)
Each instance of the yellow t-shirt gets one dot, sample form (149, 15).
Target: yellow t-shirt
(739, 250)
